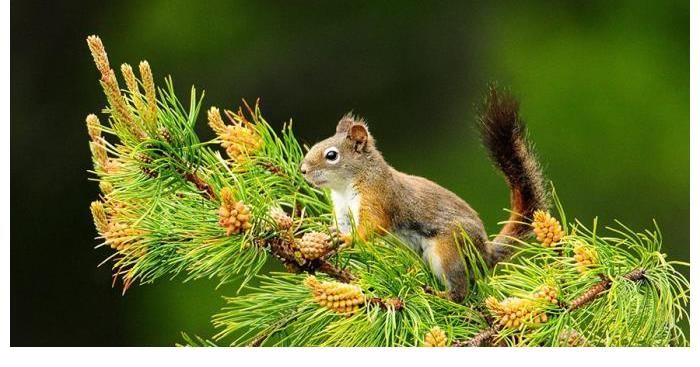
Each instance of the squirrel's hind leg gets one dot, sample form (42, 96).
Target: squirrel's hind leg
(443, 257)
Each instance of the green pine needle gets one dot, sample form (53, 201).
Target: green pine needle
(165, 186)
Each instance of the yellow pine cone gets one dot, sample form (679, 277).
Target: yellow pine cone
(281, 219)
(547, 293)
(435, 338)
(150, 91)
(314, 245)
(234, 215)
(120, 235)
(165, 134)
(94, 127)
(99, 216)
(338, 297)
(235, 218)
(572, 338)
(115, 207)
(240, 139)
(514, 313)
(547, 229)
(106, 187)
(585, 256)
(240, 142)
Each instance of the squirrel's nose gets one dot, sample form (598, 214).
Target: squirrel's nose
(303, 168)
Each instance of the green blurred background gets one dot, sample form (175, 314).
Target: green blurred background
(604, 88)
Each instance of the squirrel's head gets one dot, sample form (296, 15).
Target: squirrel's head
(336, 162)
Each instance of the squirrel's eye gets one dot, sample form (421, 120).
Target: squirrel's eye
(332, 155)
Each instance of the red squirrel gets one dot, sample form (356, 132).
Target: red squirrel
(367, 192)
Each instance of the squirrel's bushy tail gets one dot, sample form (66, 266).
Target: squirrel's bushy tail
(504, 135)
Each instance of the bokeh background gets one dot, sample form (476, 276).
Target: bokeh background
(604, 88)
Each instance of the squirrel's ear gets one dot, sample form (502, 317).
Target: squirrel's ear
(359, 135)
(344, 124)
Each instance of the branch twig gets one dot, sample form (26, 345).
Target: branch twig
(283, 248)
(386, 303)
(478, 339)
(200, 184)
(262, 336)
(597, 289)
(585, 298)
(342, 275)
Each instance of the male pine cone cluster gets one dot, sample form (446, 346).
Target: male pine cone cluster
(234, 215)
(117, 234)
(547, 229)
(514, 313)
(585, 256)
(240, 139)
(547, 293)
(572, 338)
(435, 338)
(338, 297)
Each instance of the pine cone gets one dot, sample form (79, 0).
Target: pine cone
(314, 245)
(435, 338)
(514, 313)
(120, 235)
(113, 166)
(115, 207)
(106, 187)
(234, 216)
(94, 127)
(165, 134)
(585, 256)
(240, 140)
(547, 293)
(281, 219)
(547, 229)
(572, 338)
(99, 216)
(338, 297)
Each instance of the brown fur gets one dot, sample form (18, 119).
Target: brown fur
(504, 135)
(427, 216)
(373, 214)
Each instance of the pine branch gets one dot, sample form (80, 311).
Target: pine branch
(283, 247)
(597, 289)
(333, 271)
(479, 339)
(172, 205)
(264, 335)
(588, 296)
(591, 294)
(202, 186)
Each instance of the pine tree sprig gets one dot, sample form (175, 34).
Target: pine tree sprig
(174, 206)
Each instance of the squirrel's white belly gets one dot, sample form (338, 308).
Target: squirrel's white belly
(424, 247)
(346, 207)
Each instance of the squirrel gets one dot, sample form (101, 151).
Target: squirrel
(370, 194)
